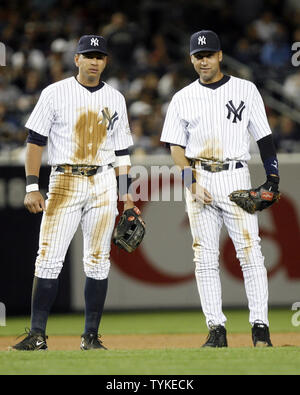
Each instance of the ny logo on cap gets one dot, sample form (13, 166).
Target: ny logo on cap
(201, 40)
(95, 42)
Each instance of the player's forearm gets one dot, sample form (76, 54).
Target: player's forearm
(34, 201)
(124, 182)
(33, 159)
(178, 156)
(121, 170)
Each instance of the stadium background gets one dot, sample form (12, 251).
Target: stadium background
(148, 62)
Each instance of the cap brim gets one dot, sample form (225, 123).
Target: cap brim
(93, 50)
(205, 50)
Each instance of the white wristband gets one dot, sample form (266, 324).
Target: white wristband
(123, 160)
(32, 188)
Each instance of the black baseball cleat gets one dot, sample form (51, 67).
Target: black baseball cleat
(261, 335)
(32, 342)
(216, 337)
(91, 341)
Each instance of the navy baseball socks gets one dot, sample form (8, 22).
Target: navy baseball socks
(44, 292)
(95, 294)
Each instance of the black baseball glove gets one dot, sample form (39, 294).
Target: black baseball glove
(258, 199)
(130, 230)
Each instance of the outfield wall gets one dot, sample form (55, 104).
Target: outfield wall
(19, 243)
(160, 274)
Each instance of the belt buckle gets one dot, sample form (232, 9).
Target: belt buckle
(215, 167)
(88, 170)
(82, 170)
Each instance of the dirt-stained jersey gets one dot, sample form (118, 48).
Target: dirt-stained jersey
(216, 123)
(82, 127)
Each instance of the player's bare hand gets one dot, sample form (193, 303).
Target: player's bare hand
(34, 202)
(200, 194)
(136, 210)
(129, 203)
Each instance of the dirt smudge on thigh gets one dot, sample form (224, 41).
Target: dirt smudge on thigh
(60, 195)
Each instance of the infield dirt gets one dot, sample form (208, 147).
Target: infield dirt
(155, 341)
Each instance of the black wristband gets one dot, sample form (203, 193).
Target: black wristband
(32, 180)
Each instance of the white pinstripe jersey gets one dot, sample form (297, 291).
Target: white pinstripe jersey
(215, 124)
(82, 127)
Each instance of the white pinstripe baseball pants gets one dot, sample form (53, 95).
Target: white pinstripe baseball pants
(73, 200)
(206, 222)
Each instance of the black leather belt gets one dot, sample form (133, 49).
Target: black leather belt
(82, 170)
(217, 167)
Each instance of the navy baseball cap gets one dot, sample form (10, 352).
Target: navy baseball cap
(205, 40)
(90, 43)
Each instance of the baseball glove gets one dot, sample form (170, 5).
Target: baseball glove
(258, 199)
(130, 230)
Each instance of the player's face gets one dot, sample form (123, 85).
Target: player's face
(91, 66)
(207, 65)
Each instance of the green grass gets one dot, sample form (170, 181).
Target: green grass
(151, 322)
(164, 362)
(273, 361)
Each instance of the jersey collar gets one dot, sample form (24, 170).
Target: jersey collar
(92, 88)
(217, 84)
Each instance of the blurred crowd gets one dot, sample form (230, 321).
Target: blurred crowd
(149, 59)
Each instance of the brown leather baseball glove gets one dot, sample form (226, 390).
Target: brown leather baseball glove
(130, 230)
(258, 199)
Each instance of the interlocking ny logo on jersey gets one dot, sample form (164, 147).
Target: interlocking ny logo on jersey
(108, 119)
(201, 40)
(95, 42)
(237, 112)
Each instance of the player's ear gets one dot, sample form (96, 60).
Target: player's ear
(220, 55)
(76, 57)
(192, 59)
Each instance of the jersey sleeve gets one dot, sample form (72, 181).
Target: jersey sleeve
(258, 125)
(40, 120)
(174, 129)
(122, 137)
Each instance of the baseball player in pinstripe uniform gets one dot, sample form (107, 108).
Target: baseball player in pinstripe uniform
(85, 122)
(208, 126)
